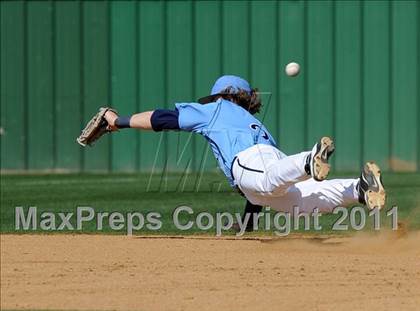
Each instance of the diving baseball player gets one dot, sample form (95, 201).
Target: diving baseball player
(248, 154)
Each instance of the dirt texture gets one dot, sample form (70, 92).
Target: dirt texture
(100, 272)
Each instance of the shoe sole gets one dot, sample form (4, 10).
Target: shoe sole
(321, 167)
(375, 196)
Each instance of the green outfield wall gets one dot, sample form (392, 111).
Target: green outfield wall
(61, 60)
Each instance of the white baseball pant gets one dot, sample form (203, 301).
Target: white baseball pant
(268, 177)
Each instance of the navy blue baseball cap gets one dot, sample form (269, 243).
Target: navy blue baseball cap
(234, 83)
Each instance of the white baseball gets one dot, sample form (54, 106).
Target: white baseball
(292, 69)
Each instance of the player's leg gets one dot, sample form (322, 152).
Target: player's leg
(289, 170)
(324, 195)
(251, 210)
(328, 194)
(264, 171)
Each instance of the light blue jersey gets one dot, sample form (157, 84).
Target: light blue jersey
(228, 128)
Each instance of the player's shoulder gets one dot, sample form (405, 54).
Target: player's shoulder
(197, 110)
(219, 107)
(228, 105)
(196, 106)
(233, 108)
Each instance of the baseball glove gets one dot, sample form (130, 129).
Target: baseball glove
(95, 128)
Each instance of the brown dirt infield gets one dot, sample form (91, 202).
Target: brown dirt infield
(99, 272)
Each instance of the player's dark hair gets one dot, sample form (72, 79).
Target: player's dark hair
(250, 102)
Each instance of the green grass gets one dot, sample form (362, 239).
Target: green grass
(128, 193)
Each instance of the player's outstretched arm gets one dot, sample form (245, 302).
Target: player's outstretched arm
(156, 120)
(140, 120)
(185, 117)
(107, 119)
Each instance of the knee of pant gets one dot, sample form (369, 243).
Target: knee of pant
(275, 189)
(275, 186)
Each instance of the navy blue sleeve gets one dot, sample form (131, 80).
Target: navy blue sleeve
(165, 119)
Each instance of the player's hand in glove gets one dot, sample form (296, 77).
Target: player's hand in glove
(98, 126)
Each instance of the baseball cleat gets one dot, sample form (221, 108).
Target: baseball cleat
(371, 189)
(318, 160)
